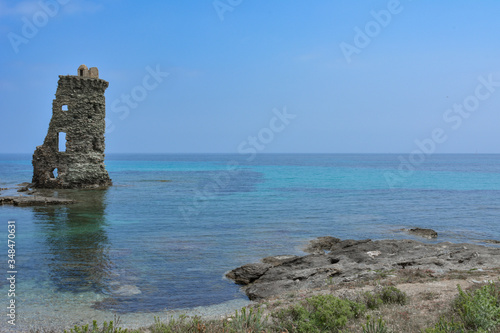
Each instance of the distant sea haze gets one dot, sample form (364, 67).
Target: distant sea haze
(164, 235)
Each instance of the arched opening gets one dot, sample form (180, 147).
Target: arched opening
(62, 142)
(54, 174)
(81, 71)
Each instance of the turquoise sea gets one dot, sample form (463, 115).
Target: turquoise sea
(164, 235)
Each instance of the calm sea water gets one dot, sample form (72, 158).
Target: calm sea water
(164, 235)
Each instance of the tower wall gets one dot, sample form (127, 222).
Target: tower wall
(78, 111)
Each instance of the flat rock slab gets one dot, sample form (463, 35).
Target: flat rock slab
(34, 201)
(248, 273)
(321, 244)
(349, 260)
(426, 233)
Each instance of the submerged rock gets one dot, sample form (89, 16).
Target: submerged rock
(491, 241)
(127, 290)
(106, 304)
(24, 189)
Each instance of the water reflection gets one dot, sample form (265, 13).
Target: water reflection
(76, 240)
(102, 246)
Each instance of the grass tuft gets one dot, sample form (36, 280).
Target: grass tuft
(106, 328)
(375, 326)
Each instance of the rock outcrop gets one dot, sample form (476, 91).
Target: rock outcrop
(34, 201)
(349, 260)
(78, 113)
(426, 233)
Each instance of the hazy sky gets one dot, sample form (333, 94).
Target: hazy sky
(337, 76)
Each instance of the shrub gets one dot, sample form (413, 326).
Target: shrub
(322, 313)
(479, 309)
(392, 295)
(475, 311)
(388, 295)
(372, 301)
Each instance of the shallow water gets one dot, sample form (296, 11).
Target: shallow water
(164, 235)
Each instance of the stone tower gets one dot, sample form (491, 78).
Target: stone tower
(72, 155)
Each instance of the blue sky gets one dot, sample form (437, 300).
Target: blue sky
(352, 76)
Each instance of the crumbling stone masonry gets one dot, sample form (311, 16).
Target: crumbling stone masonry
(78, 113)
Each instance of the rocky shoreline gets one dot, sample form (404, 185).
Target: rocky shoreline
(335, 261)
(22, 201)
(31, 198)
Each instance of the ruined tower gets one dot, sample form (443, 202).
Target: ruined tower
(72, 155)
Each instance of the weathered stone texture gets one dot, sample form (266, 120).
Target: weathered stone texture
(350, 260)
(79, 111)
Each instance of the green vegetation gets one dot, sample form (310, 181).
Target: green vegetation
(106, 328)
(474, 310)
(444, 326)
(392, 295)
(375, 326)
(372, 300)
(479, 309)
(322, 313)
(387, 295)
(248, 320)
